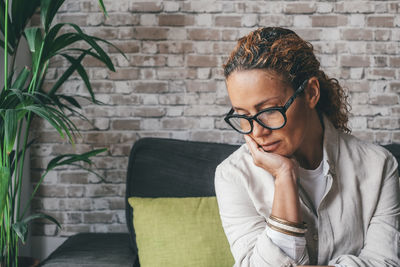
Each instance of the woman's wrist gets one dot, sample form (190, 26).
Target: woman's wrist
(286, 199)
(286, 178)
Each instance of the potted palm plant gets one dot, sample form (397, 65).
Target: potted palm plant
(23, 97)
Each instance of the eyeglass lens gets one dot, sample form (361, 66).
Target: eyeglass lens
(270, 118)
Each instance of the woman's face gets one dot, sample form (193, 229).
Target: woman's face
(253, 90)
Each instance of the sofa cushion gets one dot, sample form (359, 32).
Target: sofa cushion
(171, 168)
(180, 232)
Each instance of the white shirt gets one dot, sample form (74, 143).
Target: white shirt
(358, 218)
(314, 182)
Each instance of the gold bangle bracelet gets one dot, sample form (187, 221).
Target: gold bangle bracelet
(282, 221)
(287, 227)
(284, 231)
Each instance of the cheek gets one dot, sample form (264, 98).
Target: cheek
(294, 131)
(291, 141)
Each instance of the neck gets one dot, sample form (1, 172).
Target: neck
(310, 154)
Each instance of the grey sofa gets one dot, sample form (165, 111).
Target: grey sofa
(157, 168)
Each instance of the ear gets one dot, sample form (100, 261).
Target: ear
(312, 92)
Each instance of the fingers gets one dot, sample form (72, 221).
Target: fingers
(253, 146)
(273, 163)
(258, 154)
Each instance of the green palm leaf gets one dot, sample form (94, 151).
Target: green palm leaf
(21, 12)
(58, 124)
(4, 184)
(21, 78)
(82, 72)
(103, 8)
(68, 159)
(11, 126)
(21, 227)
(34, 38)
(70, 100)
(66, 75)
(10, 50)
(91, 41)
(59, 43)
(48, 9)
(110, 44)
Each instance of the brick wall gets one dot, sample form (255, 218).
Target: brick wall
(172, 86)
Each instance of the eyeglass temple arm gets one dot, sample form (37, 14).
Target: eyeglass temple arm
(298, 91)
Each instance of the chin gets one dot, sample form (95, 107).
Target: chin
(280, 150)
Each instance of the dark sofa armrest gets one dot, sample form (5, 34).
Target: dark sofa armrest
(93, 250)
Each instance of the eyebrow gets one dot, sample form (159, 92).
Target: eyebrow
(258, 105)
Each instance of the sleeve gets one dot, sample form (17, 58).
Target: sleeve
(293, 246)
(382, 242)
(245, 228)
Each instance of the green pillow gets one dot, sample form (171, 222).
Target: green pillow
(180, 232)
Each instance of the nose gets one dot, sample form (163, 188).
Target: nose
(259, 130)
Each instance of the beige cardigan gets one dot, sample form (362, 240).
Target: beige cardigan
(358, 218)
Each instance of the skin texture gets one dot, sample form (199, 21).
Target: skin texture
(280, 152)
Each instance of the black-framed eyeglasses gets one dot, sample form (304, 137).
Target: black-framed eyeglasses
(271, 118)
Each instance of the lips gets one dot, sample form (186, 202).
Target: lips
(270, 146)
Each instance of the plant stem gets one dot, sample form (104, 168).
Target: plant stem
(6, 47)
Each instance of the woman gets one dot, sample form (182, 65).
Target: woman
(301, 191)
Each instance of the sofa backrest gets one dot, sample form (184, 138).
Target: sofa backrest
(175, 168)
(395, 150)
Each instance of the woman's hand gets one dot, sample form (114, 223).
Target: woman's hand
(286, 203)
(278, 166)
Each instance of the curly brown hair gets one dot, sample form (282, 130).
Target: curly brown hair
(285, 53)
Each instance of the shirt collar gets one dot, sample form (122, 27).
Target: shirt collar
(330, 145)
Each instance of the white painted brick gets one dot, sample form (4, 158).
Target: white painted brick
(328, 60)
(203, 73)
(148, 20)
(356, 73)
(181, 135)
(177, 34)
(149, 47)
(151, 124)
(175, 111)
(175, 61)
(123, 87)
(302, 21)
(358, 122)
(203, 19)
(249, 20)
(170, 6)
(380, 7)
(331, 34)
(323, 7)
(357, 20)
